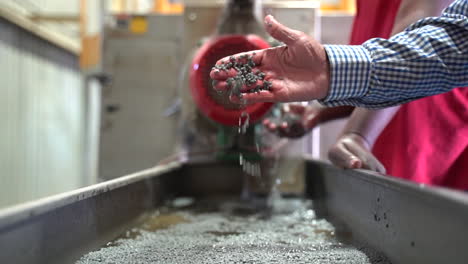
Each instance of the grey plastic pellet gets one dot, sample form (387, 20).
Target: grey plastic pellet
(243, 65)
(292, 234)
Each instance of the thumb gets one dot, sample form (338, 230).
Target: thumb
(280, 32)
(369, 161)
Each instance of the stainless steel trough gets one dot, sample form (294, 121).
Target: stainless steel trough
(409, 223)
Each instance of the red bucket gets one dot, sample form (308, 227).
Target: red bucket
(213, 105)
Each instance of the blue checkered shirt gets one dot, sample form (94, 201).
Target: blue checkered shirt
(430, 57)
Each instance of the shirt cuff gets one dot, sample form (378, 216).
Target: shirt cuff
(350, 68)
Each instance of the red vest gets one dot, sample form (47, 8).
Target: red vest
(374, 19)
(427, 140)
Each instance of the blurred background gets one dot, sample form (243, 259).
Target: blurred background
(91, 90)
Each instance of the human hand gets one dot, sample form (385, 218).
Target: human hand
(296, 120)
(352, 151)
(298, 71)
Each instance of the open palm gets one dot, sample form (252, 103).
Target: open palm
(298, 70)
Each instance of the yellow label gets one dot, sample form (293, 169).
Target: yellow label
(340, 5)
(139, 25)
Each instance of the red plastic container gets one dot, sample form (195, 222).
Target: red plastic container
(212, 105)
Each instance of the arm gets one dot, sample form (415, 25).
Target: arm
(409, 12)
(313, 115)
(427, 58)
(353, 148)
(369, 123)
(296, 120)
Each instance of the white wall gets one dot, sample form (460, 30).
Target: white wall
(41, 110)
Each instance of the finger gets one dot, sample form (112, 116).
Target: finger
(355, 163)
(379, 167)
(217, 74)
(255, 55)
(340, 156)
(268, 83)
(269, 125)
(369, 161)
(220, 86)
(374, 164)
(283, 130)
(223, 85)
(280, 32)
(247, 88)
(260, 97)
(272, 127)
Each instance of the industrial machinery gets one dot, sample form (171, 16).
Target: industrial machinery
(152, 109)
(238, 30)
(399, 221)
(209, 120)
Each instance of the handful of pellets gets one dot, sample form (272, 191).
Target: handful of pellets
(245, 75)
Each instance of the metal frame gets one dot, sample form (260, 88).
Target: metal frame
(60, 228)
(14, 16)
(409, 223)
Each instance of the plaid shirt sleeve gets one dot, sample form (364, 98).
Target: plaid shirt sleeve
(430, 57)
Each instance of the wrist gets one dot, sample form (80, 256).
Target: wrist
(326, 76)
(349, 70)
(326, 114)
